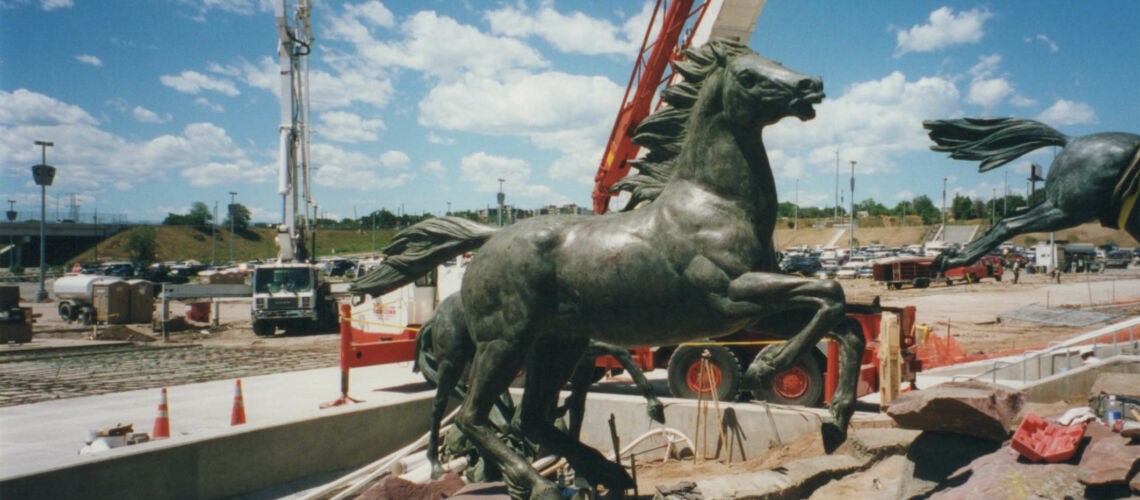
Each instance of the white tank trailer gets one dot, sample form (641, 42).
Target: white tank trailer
(75, 293)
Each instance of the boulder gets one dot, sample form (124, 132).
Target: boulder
(1001, 475)
(933, 456)
(1108, 458)
(1121, 384)
(970, 407)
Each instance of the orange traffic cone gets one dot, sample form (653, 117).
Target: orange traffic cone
(237, 416)
(162, 421)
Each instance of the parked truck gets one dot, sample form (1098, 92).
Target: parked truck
(292, 296)
(920, 272)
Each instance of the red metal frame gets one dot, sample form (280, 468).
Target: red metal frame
(647, 77)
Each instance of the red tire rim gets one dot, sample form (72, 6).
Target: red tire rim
(699, 385)
(791, 383)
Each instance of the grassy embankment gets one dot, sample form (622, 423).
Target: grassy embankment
(179, 243)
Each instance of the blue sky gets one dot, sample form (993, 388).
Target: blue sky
(156, 104)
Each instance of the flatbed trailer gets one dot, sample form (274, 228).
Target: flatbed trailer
(920, 272)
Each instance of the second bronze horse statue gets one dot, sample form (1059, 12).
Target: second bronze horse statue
(695, 262)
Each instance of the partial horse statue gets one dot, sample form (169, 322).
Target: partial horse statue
(1094, 177)
(695, 262)
(444, 349)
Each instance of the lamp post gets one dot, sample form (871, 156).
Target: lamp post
(502, 198)
(214, 236)
(233, 194)
(43, 174)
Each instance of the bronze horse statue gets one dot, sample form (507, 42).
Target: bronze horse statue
(1094, 177)
(444, 350)
(695, 262)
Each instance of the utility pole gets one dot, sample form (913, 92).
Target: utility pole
(43, 174)
(98, 240)
(796, 225)
(993, 207)
(943, 208)
(836, 185)
(851, 230)
(233, 208)
(12, 234)
(1005, 196)
(448, 208)
(214, 236)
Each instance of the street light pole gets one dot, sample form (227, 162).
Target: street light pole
(797, 219)
(214, 236)
(233, 194)
(836, 216)
(12, 234)
(43, 174)
(502, 198)
(851, 230)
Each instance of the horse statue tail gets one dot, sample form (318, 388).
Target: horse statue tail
(417, 251)
(993, 141)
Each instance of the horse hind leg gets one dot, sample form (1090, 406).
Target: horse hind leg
(448, 381)
(558, 358)
(785, 293)
(1041, 218)
(654, 408)
(494, 367)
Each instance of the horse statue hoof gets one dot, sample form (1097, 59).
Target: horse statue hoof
(656, 412)
(833, 435)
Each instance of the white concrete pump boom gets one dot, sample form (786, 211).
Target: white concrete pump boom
(296, 38)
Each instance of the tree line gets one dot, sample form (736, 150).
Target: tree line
(961, 208)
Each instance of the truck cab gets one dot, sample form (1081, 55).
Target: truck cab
(291, 296)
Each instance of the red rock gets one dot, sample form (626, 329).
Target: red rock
(1001, 475)
(395, 488)
(1108, 458)
(969, 407)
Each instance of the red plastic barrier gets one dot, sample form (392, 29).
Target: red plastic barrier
(1039, 440)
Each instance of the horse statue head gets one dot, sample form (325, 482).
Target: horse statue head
(727, 84)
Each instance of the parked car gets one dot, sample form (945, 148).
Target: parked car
(1117, 259)
(802, 265)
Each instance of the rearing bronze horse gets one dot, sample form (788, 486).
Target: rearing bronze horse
(695, 262)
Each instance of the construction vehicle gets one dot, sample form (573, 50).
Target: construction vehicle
(809, 382)
(292, 293)
(76, 296)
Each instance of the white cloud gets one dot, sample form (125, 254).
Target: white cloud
(986, 66)
(575, 32)
(147, 116)
(91, 156)
(484, 171)
(944, 29)
(202, 101)
(24, 107)
(467, 49)
(871, 122)
(341, 126)
(89, 59)
(193, 82)
(1022, 101)
(352, 24)
(1065, 112)
(988, 93)
(435, 168)
(904, 195)
(327, 91)
(228, 173)
(1053, 47)
(434, 138)
(351, 170)
(55, 4)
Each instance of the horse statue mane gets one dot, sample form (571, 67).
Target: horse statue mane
(664, 131)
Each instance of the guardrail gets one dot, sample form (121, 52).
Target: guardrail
(1065, 350)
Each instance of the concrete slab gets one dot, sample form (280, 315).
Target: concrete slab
(48, 435)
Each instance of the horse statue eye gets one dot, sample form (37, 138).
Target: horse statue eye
(748, 80)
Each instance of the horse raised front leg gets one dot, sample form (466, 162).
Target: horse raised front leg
(1041, 218)
(842, 406)
(654, 409)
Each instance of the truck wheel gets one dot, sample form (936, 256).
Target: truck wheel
(997, 277)
(263, 328)
(86, 316)
(802, 384)
(921, 283)
(685, 369)
(65, 312)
